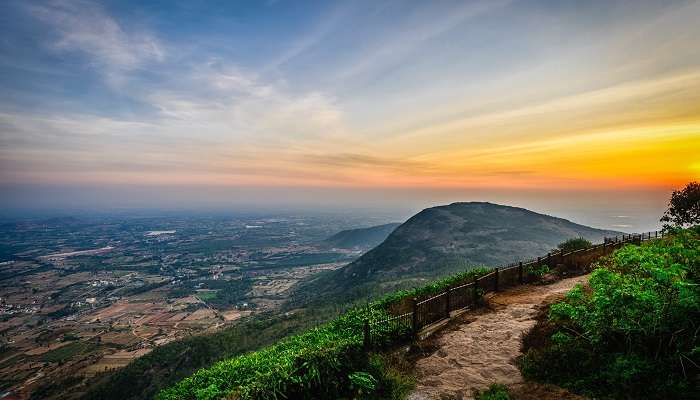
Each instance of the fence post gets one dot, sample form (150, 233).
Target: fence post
(549, 260)
(447, 302)
(656, 234)
(495, 281)
(367, 341)
(475, 292)
(414, 321)
(520, 272)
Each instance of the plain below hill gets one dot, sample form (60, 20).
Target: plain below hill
(442, 240)
(361, 238)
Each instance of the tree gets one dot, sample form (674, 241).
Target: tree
(574, 244)
(684, 207)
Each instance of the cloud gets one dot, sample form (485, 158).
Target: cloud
(612, 103)
(357, 160)
(84, 27)
(217, 119)
(232, 103)
(311, 38)
(394, 48)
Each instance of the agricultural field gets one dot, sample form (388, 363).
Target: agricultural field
(83, 297)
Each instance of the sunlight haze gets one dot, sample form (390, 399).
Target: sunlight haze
(373, 96)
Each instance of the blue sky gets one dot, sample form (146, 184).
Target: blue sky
(438, 95)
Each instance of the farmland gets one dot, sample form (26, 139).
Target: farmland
(83, 297)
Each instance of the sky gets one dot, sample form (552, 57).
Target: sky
(561, 106)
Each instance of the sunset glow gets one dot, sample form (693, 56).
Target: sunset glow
(462, 95)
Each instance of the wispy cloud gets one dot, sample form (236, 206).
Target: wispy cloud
(230, 103)
(312, 37)
(85, 27)
(401, 93)
(394, 48)
(218, 119)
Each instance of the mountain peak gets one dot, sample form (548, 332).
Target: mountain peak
(444, 239)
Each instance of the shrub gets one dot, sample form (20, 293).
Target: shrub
(633, 333)
(574, 244)
(537, 271)
(494, 392)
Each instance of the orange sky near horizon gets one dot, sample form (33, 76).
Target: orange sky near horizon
(481, 94)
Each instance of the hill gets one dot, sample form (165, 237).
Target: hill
(441, 240)
(363, 238)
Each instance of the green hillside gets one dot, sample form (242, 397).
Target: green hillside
(442, 240)
(363, 238)
(326, 362)
(627, 337)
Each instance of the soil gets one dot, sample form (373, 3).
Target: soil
(480, 347)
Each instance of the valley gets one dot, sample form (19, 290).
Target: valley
(81, 297)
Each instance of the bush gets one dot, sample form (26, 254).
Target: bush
(537, 271)
(633, 333)
(494, 392)
(574, 244)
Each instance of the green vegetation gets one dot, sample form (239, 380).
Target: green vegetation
(61, 312)
(537, 271)
(440, 241)
(361, 237)
(55, 388)
(574, 244)
(207, 295)
(634, 332)
(684, 207)
(147, 287)
(223, 293)
(167, 364)
(432, 288)
(65, 352)
(326, 362)
(494, 392)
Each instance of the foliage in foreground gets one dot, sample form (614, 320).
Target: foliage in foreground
(327, 362)
(170, 363)
(494, 392)
(634, 332)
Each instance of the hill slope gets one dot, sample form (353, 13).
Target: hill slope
(365, 238)
(443, 239)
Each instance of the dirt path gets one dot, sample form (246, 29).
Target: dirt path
(481, 348)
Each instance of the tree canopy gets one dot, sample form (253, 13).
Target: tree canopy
(684, 207)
